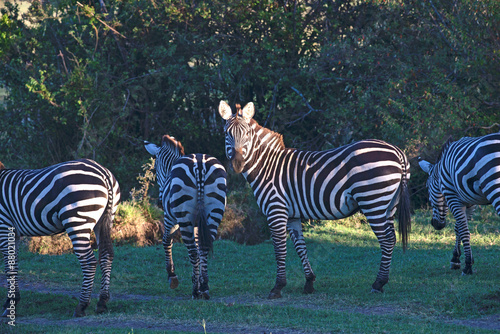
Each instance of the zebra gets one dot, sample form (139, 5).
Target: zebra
(74, 196)
(466, 174)
(370, 176)
(193, 197)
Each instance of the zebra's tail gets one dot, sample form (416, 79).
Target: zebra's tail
(105, 223)
(204, 234)
(404, 216)
(103, 228)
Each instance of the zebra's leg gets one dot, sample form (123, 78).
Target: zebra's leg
(462, 230)
(387, 239)
(204, 289)
(9, 243)
(190, 239)
(88, 263)
(213, 221)
(173, 281)
(455, 260)
(106, 255)
(295, 230)
(195, 262)
(278, 236)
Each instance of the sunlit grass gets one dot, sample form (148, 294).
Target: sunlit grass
(345, 255)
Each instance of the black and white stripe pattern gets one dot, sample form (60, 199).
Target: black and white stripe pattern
(75, 196)
(466, 174)
(193, 196)
(370, 176)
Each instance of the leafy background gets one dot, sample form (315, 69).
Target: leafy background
(95, 78)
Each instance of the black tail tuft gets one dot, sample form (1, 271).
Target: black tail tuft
(404, 216)
(103, 230)
(204, 234)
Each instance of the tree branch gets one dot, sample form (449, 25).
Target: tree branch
(311, 109)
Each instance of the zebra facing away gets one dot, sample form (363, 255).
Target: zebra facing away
(466, 174)
(75, 196)
(193, 197)
(370, 176)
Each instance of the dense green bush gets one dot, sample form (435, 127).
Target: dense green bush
(85, 80)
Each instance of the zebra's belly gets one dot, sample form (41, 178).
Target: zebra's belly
(327, 211)
(473, 196)
(473, 199)
(37, 228)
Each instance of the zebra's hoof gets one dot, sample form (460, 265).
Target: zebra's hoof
(455, 265)
(80, 310)
(205, 295)
(173, 281)
(79, 313)
(467, 271)
(5, 313)
(274, 295)
(378, 286)
(309, 286)
(101, 308)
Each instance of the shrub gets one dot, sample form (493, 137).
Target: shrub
(243, 221)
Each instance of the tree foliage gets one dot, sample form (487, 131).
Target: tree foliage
(94, 78)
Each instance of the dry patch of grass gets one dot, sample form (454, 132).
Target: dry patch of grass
(243, 221)
(135, 223)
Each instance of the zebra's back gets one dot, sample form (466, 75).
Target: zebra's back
(336, 183)
(49, 200)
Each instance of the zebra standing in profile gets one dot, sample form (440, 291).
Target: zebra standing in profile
(75, 196)
(466, 174)
(193, 196)
(370, 176)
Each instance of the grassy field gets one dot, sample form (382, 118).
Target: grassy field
(422, 296)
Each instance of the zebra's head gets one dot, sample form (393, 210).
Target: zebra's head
(436, 197)
(238, 133)
(169, 151)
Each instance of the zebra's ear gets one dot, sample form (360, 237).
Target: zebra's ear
(248, 111)
(225, 110)
(151, 148)
(426, 166)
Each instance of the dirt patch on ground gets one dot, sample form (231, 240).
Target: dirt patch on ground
(170, 325)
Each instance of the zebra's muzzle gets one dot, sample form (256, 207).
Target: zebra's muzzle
(438, 225)
(238, 162)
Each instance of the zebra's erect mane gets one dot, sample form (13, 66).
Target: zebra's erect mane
(266, 131)
(172, 142)
(2, 167)
(444, 148)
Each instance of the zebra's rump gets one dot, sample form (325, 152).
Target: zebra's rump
(195, 178)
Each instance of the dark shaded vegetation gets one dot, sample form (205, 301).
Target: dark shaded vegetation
(95, 78)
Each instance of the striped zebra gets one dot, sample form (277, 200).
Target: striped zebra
(75, 196)
(466, 174)
(193, 197)
(370, 176)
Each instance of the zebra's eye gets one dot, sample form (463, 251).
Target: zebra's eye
(229, 152)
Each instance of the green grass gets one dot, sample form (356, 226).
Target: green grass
(422, 296)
